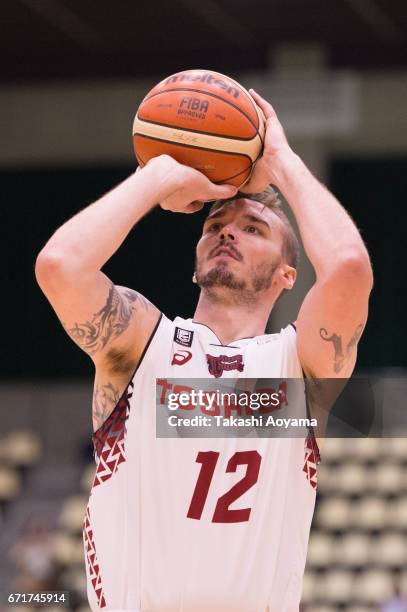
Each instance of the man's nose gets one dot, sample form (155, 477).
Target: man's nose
(227, 233)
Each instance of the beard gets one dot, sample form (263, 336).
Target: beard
(220, 284)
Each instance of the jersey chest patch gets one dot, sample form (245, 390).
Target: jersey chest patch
(217, 365)
(183, 336)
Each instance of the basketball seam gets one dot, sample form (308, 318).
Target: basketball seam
(228, 178)
(224, 180)
(140, 161)
(213, 96)
(197, 148)
(252, 148)
(185, 129)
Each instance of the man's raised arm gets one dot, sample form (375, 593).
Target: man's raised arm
(105, 320)
(334, 312)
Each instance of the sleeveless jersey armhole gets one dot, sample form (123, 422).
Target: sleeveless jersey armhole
(118, 413)
(311, 433)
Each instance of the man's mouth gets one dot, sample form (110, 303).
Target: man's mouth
(225, 251)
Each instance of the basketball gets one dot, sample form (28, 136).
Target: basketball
(203, 119)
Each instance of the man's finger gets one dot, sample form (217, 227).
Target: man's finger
(194, 207)
(253, 187)
(222, 192)
(265, 106)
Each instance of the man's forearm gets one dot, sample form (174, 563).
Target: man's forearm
(328, 233)
(90, 238)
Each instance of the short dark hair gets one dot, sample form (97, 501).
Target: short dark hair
(270, 199)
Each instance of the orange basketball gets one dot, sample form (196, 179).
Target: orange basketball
(202, 119)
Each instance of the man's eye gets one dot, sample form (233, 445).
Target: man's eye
(251, 229)
(214, 227)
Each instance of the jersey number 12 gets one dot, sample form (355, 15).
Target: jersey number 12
(223, 514)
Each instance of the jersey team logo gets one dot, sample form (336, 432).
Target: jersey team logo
(181, 357)
(217, 365)
(183, 336)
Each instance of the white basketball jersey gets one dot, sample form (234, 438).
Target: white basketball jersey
(199, 524)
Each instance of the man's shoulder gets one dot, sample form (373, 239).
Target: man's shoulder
(289, 330)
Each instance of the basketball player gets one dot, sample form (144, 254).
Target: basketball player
(206, 524)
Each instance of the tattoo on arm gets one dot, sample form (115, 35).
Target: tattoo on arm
(342, 356)
(105, 398)
(111, 320)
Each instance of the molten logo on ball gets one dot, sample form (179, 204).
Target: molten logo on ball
(205, 77)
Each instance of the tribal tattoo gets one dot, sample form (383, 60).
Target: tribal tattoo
(111, 321)
(105, 398)
(341, 357)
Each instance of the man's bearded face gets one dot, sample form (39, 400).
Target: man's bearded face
(239, 251)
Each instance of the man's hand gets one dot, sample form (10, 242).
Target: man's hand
(188, 189)
(275, 144)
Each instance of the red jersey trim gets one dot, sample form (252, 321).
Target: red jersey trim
(92, 561)
(109, 444)
(98, 434)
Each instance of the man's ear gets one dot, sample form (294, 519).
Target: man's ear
(288, 276)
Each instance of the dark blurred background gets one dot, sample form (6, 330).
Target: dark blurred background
(71, 77)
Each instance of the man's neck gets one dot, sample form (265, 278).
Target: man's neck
(232, 321)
